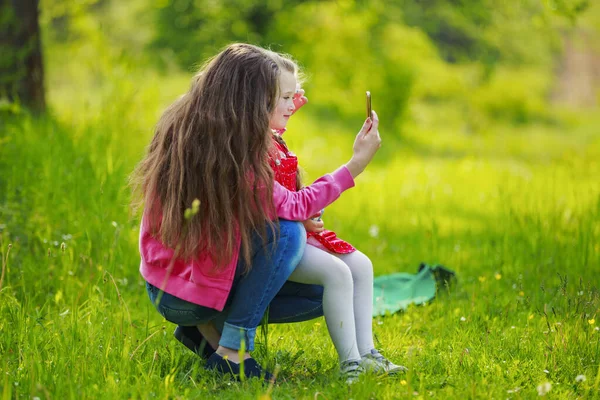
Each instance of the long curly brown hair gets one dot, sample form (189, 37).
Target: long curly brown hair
(212, 144)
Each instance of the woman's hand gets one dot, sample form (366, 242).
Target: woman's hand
(366, 144)
(312, 225)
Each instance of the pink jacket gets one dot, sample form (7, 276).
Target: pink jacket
(195, 281)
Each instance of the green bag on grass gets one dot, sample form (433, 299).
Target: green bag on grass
(395, 292)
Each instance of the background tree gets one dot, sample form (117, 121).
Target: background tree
(21, 67)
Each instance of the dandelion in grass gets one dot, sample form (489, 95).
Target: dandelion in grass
(530, 317)
(521, 293)
(498, 276)
(544, 388)
(580, 378)
(403, 382)
(591, 321)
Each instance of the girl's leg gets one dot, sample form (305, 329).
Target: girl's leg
(272, 264)
(361, 268)
(362, 275)
(322, 268)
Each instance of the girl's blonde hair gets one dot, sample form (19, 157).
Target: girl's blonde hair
(287, 63)
(212, 144)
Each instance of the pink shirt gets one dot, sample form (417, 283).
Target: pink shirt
(196, 281)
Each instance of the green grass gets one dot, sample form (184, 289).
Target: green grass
(515, 211)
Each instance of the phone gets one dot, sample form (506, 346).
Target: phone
(320, 216)
(369, 111)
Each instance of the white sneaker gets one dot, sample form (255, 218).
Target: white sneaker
(377, 363)
(351, 370)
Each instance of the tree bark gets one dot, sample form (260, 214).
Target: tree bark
(21, 66)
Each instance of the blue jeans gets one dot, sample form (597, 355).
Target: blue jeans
(263, 287)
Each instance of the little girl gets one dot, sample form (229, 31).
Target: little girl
(344, 272)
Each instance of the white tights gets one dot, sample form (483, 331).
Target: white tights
(343, 277)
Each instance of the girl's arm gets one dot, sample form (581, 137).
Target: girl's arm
(301, 205)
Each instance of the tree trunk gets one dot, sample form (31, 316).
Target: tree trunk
(21, 67)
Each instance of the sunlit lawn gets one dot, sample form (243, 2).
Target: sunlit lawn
(514, 210)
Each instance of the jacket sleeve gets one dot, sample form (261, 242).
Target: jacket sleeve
(301, 205)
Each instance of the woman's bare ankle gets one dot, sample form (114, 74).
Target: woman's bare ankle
(231, 354)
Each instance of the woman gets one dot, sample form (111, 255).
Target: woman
(227, 257)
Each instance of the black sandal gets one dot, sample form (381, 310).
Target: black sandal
(251, 368)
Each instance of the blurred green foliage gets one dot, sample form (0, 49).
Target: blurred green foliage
(488, 61)
(402, 51)
(513, 209)
(192, 30)
(486, 31)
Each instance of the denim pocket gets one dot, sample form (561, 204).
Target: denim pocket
(178, 311)
(152, 292)
(183, 317)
